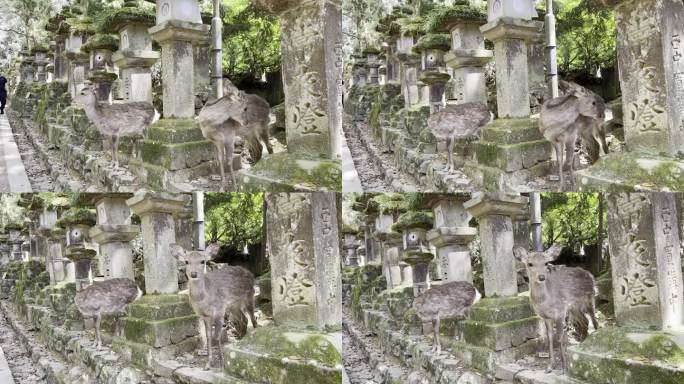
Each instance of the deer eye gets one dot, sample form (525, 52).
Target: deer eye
(186, 262)
(529, 264)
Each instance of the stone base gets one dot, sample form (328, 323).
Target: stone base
(510, 153)
(498, 329)
(156, 324)
(632, 172)
(284, 172)
(279, 356)
(618, 355)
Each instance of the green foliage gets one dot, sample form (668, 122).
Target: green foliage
(586, 36)
(251, 40)
(234, 219)
(570, 218)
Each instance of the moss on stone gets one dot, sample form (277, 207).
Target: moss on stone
(102, 76)
(438, 41)
(370, 51)
(411, 25)
(77, 215)
(414, 219)
(442, 19)
(101, 41)
(633, 172)
(116, 18)
(284, 171)
(391, 203)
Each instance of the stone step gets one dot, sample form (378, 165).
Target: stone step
(160, 307)
(519, 374)
(502, 309)
(512, 157)
(500, 336)
(620, 355)
(280, 356)
(160, 333)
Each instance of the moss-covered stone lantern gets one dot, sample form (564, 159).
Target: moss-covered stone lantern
(416, 251)
(100, 47)
(77, 222)
(59, 30)
(432, 48)
(467, 56)
(411, 28)
(80, 28)
(135, 56)
(372, 55)
(40, 53)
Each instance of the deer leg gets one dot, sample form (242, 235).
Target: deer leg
(560, 327)
(115, 150)
(230, 148)
(450, 154)
(219, 155)
(207, 326)
(592, 314)
(250, 308)
(559, 159)
(549, 335)
(437, 342)
(266, 139)
(219, 329)
(98, 342)
(203, 339)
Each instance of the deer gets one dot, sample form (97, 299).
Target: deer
(458, 121)
(563, 118)
(214, 293)
(116, 120)
(452, 300)
(106, 297)
(559, 294)
(235, 115)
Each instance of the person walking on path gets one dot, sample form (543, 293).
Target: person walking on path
(3, 94)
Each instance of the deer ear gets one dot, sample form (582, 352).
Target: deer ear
(212, 250)
(552, 253)
(177, 251)
(520, 253)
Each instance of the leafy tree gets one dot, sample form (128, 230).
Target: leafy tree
(251, 40)
(570, 218)
(586, 36)
(233, 219)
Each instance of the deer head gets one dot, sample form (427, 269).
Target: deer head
(537, 262)
(195, 261)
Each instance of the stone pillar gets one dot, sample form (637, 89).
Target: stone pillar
(113, 233)
(179, 27)
(648, 293)
(389, 244)
(26, 70)
(511, 151)
(511, 32)
(370, 242)
(59, 58)
(99, 48)
(135, 56)
(303, 238)
(650, 46)
(55, 256)
(41, 60)
(202, 68)
(311, 51)
(494, 213)
(26, 251)
(409, 62)
(4, 249)
(157, 224)
(451, 236)
(15, 241)
(373, 63)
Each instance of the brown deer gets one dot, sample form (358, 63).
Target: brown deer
(116, 120)
(106, 297)
(458, 121)
(446, 301)
(213, 293)
(559, 294)
(235, 115)
(565, 118)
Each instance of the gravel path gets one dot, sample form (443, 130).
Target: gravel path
(40, 179)
(23, 369)
(355, 363)
(371, 176)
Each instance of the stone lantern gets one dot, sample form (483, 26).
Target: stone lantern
(26, 69)
(349, 246)
(360, 72)
(413, 226)
(77, 222)
(135, 56)
(4, 249)
(59, 30)
(409, 61)
(433, 47)
(15, 239)
(372, 55)
(99, 48)
(78, 60)
(467, 55)
(40, 53)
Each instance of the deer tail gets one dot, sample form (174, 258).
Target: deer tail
(579, 322)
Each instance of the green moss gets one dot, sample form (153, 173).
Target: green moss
(284, 171)
(101, 41)
(370, 51)
(391, 203)
(77, 215)
(102, 76)
(39, 48)
(81, 25)
(438, 41)
(116, 18)
(414, 219)
(633, 171)
(442, 19)
(411, 25)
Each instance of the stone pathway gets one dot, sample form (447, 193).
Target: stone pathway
(18, 359)
(350, 177)
(13, 176)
